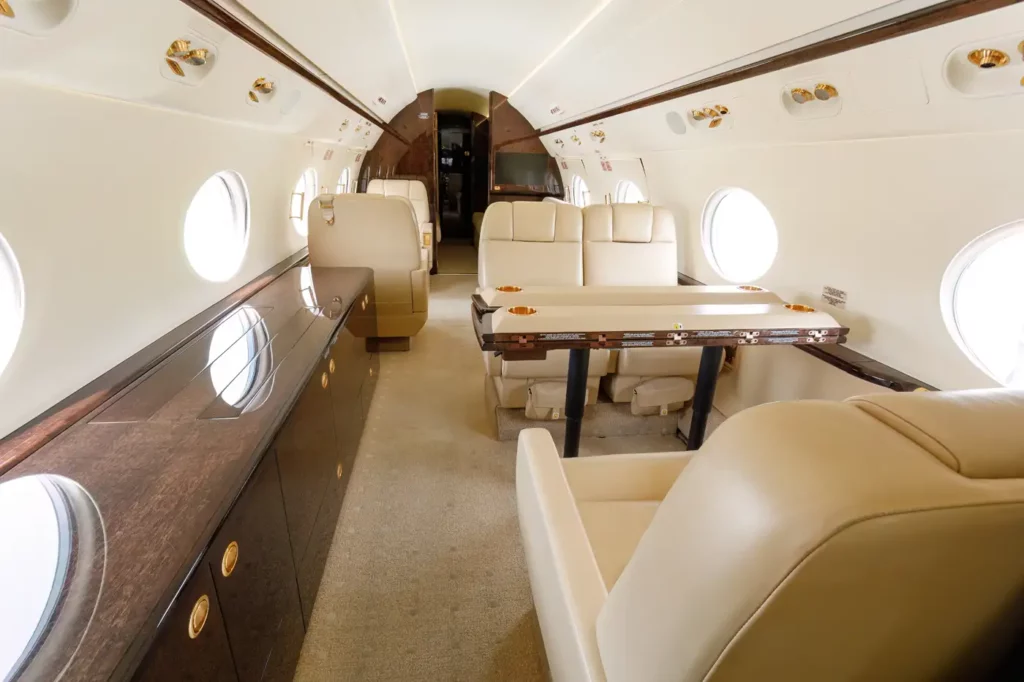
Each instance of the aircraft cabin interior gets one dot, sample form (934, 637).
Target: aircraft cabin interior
(486, 341)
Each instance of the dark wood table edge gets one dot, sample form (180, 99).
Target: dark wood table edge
(29, 438)
(852, 362)
(136, 652)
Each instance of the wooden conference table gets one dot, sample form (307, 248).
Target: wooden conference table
(524, 323)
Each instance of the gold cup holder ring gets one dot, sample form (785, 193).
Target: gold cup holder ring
(801, 95)
(522, 310)
(750, 287)
(988, 59)
(799, 308)
(324, 381)
(340, 471)
(331, 366)
(229, 561)
(197, 621)
(509, 289)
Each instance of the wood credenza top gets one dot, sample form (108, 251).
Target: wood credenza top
(164, 459)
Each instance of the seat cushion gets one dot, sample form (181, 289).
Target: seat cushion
(659, 362)
(660, 395)
(614, 529)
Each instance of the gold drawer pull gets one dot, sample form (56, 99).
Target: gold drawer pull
(324, 381)
(332, 366)
(200, 612)
(340, 470)
(229, 560)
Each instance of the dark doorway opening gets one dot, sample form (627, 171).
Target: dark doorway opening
(463, 155)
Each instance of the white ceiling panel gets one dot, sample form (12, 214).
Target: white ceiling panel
(485, 44)
(634, 46)
(355, 42)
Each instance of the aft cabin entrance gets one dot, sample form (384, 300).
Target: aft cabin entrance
(462, 171)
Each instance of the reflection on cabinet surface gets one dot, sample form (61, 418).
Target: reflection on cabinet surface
(262, 570)
(192, 645)
(251, 562)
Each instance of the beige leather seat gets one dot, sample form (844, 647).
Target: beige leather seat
(880, 538)
(635, 245)
(416, 192)
(534, 243)
(378, 232)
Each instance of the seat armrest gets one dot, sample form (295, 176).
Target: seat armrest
(420, 290)
(635, 478)
(568, 590)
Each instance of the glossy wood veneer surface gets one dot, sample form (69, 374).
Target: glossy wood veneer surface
(164, 485)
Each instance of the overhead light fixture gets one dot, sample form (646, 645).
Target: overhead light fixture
(175, 68)
(6, 10)
(263, 85)
(825, 92)
(715, 123)
(598, 135)
(179, 49)
(423, 116)
(198, 57)
(801, 95)
(988, 59)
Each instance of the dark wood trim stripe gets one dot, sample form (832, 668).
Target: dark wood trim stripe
(231, 24)
(896, 27)
(19, 445)
(850, 361)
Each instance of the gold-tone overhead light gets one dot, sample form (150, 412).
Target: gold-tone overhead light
(598, 135)
(6, 10)
(801, 95)
(253, 98)
(175, 68)
(988, 59)
(179, 49)
(1020, 47)
(824, 91)
(721, 109)
(263, 85)
(715, 123)
(198, 57)
(697, 115)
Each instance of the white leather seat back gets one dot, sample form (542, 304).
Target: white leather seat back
(378, 232)
(878, 538)
(531, 243)
(629, 245)
(413, 190)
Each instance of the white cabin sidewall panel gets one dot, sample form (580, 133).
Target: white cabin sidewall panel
(93, 196)
(880, 219)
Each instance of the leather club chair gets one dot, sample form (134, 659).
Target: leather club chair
(527, 243)
(373, 231)
(416, 192)
(635, 245)
(880, 538)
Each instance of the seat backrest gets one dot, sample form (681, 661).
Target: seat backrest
(369, 231)
(629, 245)
(531, 243)
(413, 190)
(877, 539)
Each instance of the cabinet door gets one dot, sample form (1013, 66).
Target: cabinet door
(306, 458)
(311, 567)
(252, 567)
(192, 645)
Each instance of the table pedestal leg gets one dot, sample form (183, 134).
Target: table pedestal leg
(704, 395)
(575, 399)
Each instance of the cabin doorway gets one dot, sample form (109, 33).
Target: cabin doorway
(462, 157)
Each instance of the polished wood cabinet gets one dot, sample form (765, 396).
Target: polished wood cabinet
(251, 562)
(192, 644)
(261, 572)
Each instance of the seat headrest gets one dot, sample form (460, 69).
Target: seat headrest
(532, 221)
(979, 434)
(633, 223)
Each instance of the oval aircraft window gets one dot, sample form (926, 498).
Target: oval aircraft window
(739, 235)
(12, 303)
(217, 227)
(579, 193)
(343, 182)
(626, 192)
(305, 191)
(981, 303)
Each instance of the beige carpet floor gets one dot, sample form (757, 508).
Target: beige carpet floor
(426, 579)
(456, 259)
